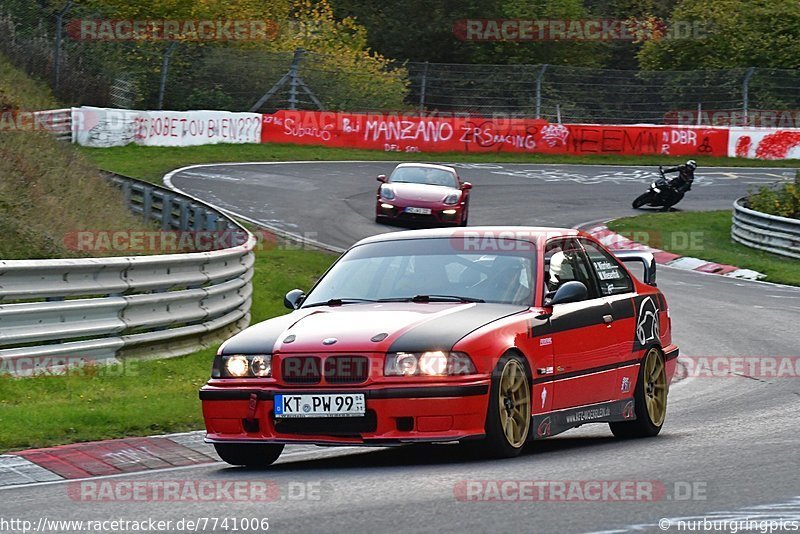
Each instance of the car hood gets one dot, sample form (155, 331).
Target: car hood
(421, 192)
(396, 327)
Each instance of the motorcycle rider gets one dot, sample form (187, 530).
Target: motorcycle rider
(666, 192)
(683, 182)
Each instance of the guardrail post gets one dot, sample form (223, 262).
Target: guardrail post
(197, 218)
(183, 220)
(126, 194)
(137, 198)
(211, 221)
(166, 212)
(147, 203)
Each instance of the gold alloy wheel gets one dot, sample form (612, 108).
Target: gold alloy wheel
(655, 387)
(514, 403)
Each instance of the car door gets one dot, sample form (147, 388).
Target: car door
(584, 362)
(617, 288)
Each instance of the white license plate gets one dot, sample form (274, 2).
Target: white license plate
(419, 211)
(320, 405)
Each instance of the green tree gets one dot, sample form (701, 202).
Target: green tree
(342, 70)
(574, 53)
(418, 30)
(734, 33)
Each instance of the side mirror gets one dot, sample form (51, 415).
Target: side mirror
(294, 298)
(382, 178)
(645, 259)
(570, 292)
(466, 185)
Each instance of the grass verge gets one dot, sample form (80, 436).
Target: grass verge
(48, 190)
(151, 163)
(705, 235)
(142, 397)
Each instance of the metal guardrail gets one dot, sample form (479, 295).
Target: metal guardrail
(778, 235)
(58, 122)
(63, 311)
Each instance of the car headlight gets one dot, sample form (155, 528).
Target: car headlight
(387, 193)
(261, 366)
(242, 366)
(431, 363)
(237, 366)
(452, 199)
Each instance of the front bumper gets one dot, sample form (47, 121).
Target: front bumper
(438, 213)
(441, 412)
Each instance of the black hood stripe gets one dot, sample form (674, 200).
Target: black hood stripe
(262, 337)
(441, 333)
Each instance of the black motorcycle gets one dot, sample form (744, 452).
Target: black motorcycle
(660, 195)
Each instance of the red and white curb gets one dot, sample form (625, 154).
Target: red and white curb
(614, 241)
(104, 458)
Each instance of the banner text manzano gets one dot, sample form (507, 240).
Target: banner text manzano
(411, 133)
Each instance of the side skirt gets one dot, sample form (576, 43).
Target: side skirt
(552, 423)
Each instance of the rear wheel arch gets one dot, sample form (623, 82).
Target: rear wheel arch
(654, 345)
(645, 394)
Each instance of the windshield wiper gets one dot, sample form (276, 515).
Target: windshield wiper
(432, 298)
(337, 302)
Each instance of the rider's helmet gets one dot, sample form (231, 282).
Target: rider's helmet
(691, 164)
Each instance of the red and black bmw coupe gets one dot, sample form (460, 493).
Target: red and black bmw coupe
(490, 336)
(423, 193)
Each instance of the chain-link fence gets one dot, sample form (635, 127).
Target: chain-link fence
(576, 94)
(182, 76)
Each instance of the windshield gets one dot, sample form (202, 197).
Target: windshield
(423, 175)
(398, 270)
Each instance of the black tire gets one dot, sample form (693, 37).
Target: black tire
(642, 200)
(249, 455)
(496, 444)
(643, 426)
(465, 219)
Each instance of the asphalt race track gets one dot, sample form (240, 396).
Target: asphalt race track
(733, 440)
(335, 202)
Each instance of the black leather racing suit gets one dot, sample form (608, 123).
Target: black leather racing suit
(683, 182)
